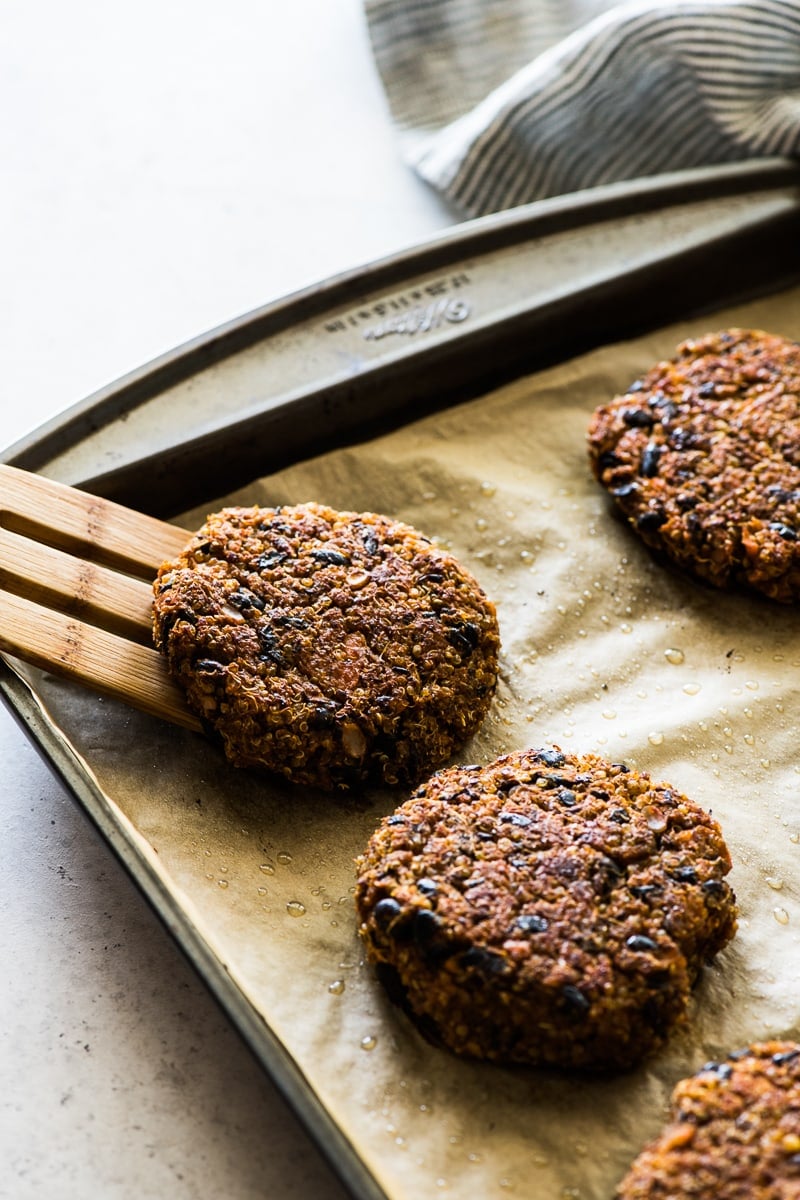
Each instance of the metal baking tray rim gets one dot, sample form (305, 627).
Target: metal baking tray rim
(38, 449)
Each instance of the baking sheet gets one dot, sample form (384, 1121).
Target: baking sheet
(603, 650)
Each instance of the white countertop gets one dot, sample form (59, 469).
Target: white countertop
(167, 166)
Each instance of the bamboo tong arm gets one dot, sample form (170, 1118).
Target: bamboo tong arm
(76, 576)
(101, 530)
(101, 661)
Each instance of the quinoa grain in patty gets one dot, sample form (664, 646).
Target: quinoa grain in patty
(702, 455)
(331, 648)
(545, 909)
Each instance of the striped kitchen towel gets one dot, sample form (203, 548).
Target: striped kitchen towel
(501, 102)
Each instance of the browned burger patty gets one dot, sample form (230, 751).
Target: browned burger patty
(545, 909)
(328, 647)
(734, 1133)
(703, 457)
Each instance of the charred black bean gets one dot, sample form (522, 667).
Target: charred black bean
(330, 557)
(576, 1004)
(386, 912)
(785, 531)
(244, 599)
(169, 622)
(625, 491)
(785, 1057)
(610, 866)
(270, 648)
(650, 459)
(531, 923)
(552, 758)
(721, 1070)
(267, 561)
(506, 786)
(637, 418)
(515, 818)
(653, 519)
(426, 926)
(323, 716)
(639, 942)
(483, 960)
(464, 637)
(209, 666)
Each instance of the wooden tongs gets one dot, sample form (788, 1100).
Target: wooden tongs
(76, 574)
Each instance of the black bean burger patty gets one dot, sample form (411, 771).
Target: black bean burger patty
(328, 647)
(702, 455)
(545, 909)
(734, 1133)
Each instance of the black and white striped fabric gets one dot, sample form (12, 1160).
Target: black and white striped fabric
(501, 102)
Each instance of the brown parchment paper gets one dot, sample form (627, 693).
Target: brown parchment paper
(603, 650)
